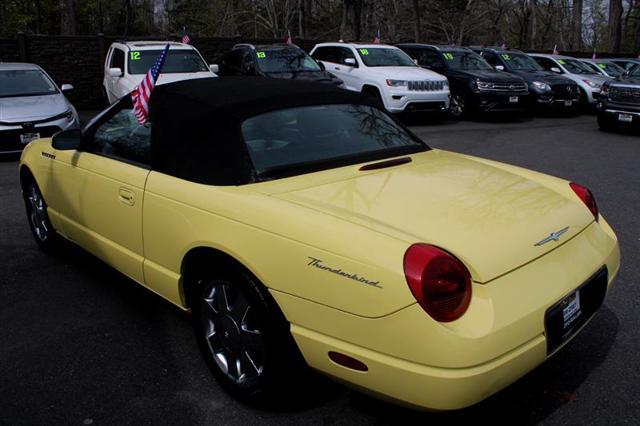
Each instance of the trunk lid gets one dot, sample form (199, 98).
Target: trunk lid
(488, 217)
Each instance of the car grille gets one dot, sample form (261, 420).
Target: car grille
(426, 86)
(627, 95)
(504, 87)
(565, 90)
(10, 139)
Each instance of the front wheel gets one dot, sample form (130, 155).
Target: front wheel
(458, 105)
(39, 222)
(243, 338)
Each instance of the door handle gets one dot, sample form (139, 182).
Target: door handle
(126, 196)
(336, 68)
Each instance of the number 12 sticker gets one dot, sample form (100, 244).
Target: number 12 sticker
(134, 56)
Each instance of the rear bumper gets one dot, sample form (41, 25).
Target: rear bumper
(415, 361)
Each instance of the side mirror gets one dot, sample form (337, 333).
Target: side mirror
(415, 61)
(66, 88)
(67, 140)
(350, 61)
(321, 65)
(499, 67)
(214, 68)
(115, 72)
(556, 70)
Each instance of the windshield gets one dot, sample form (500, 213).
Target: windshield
(634, 71)
(285, 60)
(15, 83)
(178, 61)
(305, 138)
(469, 61)
(385, 57)
(520, 62)
(611, 69)
(576, 67)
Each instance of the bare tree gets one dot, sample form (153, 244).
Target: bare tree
(351, 14)
(67, 17)
(576, 22)
(615, 25)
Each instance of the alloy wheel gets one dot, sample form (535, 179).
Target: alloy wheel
(457, 105)
(37, 210)
(232, 333)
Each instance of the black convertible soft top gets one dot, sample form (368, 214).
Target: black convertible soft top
(196, 132)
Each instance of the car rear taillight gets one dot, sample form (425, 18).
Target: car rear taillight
(440, 283)
(587, 198)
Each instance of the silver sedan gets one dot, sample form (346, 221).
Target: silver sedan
(31, 106)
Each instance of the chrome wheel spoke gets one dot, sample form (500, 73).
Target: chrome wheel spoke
(252, 339)
(239, 309)
(255, 366)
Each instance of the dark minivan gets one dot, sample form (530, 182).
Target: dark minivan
(283, 61)
(475, 85)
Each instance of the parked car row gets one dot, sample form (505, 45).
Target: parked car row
(408, 77)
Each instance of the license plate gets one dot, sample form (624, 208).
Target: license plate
(627, 118)
(25, 138)
(571, 311)
(513, 99)
(568, 103)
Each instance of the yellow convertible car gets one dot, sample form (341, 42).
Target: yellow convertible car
(304, 226)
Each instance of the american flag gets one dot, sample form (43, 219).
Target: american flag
(289, 40)
(185, 37)
(504, 46)
(377, 40)
(555, 50)
(594, 55)
(141, 94)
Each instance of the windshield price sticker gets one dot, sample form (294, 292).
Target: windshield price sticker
(506, 57)
(561, 61)
(364, 51)
(134, 56)
(261, 55)
(603, 66)
(448, 56)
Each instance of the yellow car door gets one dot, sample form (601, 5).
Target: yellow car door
(108, 175)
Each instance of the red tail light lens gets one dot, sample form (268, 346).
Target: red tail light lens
(587, 198)
(440, 283)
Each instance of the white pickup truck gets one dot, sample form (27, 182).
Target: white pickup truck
(127, 63)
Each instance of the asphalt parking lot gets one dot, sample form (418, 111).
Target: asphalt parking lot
(80, 344)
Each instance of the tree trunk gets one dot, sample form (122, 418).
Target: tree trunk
(67, 17)
(576, 39)
(615, 25)
(351, 12)
(416, 22)
(533, 6)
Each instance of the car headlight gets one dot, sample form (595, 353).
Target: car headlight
(542, 86)
(484, 85)
(593, 84)
(69, 115)
(397, 83)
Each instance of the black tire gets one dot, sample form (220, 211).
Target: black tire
(237, 321)
(38, 217)
(373, 93)
(605, 123)
(459, 105)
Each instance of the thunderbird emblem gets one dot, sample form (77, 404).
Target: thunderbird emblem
(554, 236)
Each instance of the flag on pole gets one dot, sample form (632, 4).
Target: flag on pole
(555, 50)
(594, 55)
(185, 37)
(504, 46)
(376, 39)
(141, 94)
(289, 40)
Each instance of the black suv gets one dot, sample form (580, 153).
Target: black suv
(548, 89)
(619, 101)
(285, 61)
(474, 84)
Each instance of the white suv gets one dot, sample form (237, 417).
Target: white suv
(386, 72)
(127, 63)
